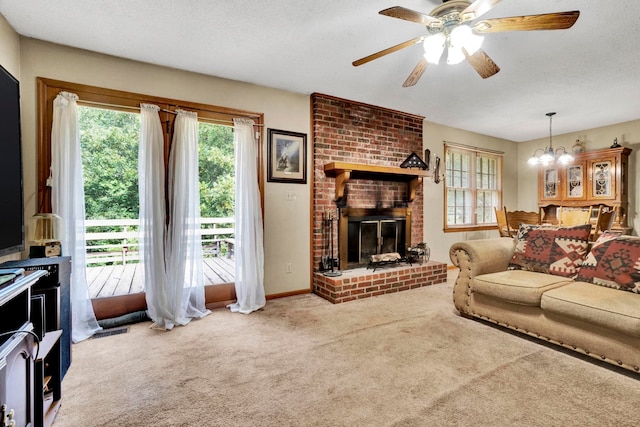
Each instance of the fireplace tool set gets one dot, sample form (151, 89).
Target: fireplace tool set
(328, 220)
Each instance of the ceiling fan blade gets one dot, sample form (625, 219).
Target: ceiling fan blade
(547, 21)
(387, 51)
(409, 15)
(481, 62)
(477, 9)
(416, 73)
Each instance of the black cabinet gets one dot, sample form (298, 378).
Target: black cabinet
(17, 351)
(54, 353)
(56, 287)
(47, 384)
(16, 385)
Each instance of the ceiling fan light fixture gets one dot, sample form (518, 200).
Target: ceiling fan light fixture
(455, 55)
(433, 47)
(462, 37)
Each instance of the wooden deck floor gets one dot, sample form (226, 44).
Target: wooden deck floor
(112, 280)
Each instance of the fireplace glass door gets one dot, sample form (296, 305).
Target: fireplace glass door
(370, 237)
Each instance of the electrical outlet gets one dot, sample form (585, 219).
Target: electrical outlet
(291, 196)
(288, 267)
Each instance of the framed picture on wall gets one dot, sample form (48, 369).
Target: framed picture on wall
(287, 157)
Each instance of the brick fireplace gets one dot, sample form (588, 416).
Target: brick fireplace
(348, 134)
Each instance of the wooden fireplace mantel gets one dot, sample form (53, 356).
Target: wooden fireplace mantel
(343, 172)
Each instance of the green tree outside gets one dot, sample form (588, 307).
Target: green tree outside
(109, 141)
(217, 181)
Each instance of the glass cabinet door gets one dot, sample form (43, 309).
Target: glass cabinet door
(550, 183)
(602, 179)
(575, 188)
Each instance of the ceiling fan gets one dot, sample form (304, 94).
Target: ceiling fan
(450, 26)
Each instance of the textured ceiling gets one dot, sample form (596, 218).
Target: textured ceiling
(588, 74)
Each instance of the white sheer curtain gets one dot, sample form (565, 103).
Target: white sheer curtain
(67, 200)
(249, 249)
(184, 293)
(152, 212)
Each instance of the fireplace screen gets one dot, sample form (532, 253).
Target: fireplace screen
(374, 236)
(363, 232)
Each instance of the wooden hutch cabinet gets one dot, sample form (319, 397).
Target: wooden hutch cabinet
(593, 178)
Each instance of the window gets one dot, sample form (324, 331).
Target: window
(118, 140)
(473, 179)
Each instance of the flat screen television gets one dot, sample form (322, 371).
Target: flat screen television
(12, 238)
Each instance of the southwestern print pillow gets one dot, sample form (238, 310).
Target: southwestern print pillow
(550, 249)
(614, 262)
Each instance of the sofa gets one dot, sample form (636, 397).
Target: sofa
(552, 285)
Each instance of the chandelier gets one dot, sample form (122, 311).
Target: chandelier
(548, 155)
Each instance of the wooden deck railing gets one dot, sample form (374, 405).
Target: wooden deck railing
(115, 241)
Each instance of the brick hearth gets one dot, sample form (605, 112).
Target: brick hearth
(364, 283)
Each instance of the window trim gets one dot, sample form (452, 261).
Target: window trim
(48, 89)
(499, 155)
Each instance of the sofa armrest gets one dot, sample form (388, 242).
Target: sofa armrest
(476, 257)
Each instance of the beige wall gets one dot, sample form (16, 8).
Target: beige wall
(10, 60)
(434, 136)
(286, 223)
(628, 134)
(9, 48)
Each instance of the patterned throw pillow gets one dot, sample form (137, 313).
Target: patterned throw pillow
(614, 262)
(550, 249)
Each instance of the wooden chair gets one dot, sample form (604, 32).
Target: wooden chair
(604, 221)
(568, 216)
(501, 219)
(543, 216)
(515, 218)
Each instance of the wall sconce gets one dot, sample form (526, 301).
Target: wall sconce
(436, 171)
(436, 176)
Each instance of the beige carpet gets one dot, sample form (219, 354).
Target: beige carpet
(404, 359)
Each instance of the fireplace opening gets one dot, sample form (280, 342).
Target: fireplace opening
(365, 232)
(374, 236)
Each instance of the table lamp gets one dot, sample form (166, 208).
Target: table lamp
(45, 239)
